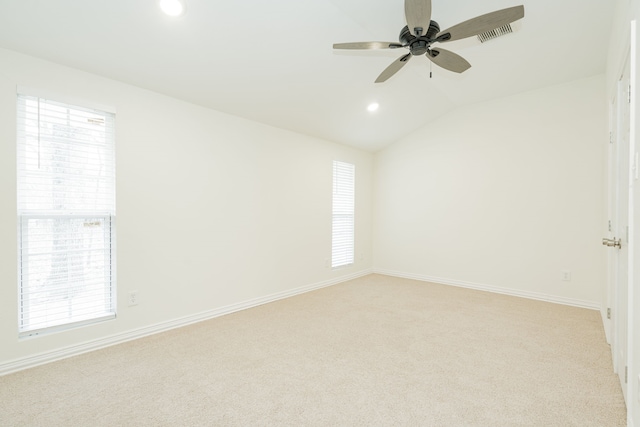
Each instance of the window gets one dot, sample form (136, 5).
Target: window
(66, 213)
(342, 242)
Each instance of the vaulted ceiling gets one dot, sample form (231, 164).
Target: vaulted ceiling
(273, 62)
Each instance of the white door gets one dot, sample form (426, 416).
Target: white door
(611, 214)
(619, 226)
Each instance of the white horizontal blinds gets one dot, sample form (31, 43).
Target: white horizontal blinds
(342, 242)
(66, 207)
(65, 158)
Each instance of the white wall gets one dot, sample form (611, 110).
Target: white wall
(502, 195)
(212, 210)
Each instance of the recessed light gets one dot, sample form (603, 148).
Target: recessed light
(173, 7)
(373, 107)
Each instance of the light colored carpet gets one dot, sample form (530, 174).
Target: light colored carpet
(376, 351)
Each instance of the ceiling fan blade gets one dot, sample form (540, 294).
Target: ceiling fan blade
(418, 14)
(367, 45)
(480, 24)
(393, 68)
(448, 60)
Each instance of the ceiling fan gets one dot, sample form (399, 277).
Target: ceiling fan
(421, 33)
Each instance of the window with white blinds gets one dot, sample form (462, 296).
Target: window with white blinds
(342, 240)
(66, 212)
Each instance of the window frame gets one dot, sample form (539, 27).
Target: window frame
(107, 215)
(343, 198)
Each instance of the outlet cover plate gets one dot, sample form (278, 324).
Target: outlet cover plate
(133, 298)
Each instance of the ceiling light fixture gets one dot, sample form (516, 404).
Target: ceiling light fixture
(173, 7)
(373, 107)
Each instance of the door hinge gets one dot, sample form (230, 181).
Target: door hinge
(608, 313)
(629, 94)
(610, 227)
(610, 137)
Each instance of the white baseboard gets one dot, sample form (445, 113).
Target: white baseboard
(63, 353)
(495, 289)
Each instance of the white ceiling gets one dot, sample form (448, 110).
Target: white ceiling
(273, 62)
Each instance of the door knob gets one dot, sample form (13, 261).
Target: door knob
(612, 243)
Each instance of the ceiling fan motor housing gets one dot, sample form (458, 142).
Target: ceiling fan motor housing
(419, 45)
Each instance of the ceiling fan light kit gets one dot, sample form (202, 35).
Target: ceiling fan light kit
(421, 33)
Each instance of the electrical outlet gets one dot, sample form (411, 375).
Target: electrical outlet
(133, 298)
(566, 275)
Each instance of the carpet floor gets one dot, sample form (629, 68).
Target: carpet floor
(375, 351)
